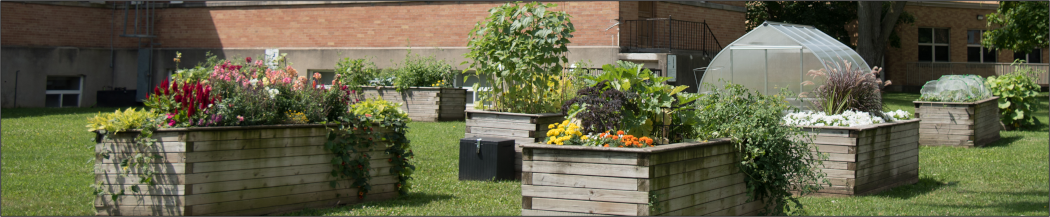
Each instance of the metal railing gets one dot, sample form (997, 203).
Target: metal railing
(599, 71)
(661, 35)
(918, 73)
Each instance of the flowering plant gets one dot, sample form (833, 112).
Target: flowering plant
(607, 139)
(848, 118)
(565, 133)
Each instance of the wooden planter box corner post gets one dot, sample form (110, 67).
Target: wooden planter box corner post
(676, 179)
(426, 104)
(252, 170)
(868, 159)
(522, 128)
(961, 124)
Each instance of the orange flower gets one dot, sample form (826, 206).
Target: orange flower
(619, 132)
(606, 145)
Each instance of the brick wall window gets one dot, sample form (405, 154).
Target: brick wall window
(933, 45)
(975, 52)
(63, 91)
(1034, 56)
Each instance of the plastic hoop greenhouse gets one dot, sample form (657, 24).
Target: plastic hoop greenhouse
(776, 55)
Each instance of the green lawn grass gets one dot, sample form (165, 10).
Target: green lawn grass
(47, 168)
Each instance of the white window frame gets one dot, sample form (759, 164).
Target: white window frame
(978, 44)
(62, 93)
(933, 45)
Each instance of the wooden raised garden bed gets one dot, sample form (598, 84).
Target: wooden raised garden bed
(962, 124)
(522, 128)
(676, 179)
(424, 103)
(251, 170)
(868, 159)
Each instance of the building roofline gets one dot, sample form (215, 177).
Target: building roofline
(990, 5)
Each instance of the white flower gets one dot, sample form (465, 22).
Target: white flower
(848, 118)
(272, 92)
(253, 81)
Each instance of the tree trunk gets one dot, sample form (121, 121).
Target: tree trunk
(874, 28)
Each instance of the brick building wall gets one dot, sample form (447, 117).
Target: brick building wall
(43, 25)
(956, 20)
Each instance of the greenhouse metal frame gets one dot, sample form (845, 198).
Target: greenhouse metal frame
(777, 55)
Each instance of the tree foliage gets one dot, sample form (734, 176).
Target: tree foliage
(831, 17)
(1022, 26)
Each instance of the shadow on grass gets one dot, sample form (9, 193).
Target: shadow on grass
(1007, 208)
(34, 112)
(411, 200)
(1004, 141)
(924, 186)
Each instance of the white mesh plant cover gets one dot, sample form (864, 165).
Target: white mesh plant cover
(955, 88)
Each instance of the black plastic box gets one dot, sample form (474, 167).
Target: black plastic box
(486, 159)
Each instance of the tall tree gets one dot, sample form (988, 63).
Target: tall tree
(1023, 26)
(874, 27)
(830, 17)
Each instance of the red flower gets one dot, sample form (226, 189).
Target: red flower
(249, 59)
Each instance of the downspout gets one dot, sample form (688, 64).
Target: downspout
(112, 52)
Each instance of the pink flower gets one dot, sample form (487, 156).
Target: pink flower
(258, 62)
(239, 118)
(368, 115)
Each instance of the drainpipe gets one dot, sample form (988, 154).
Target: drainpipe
(16, 88)
(112, 52)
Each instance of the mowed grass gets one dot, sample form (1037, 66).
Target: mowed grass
(47, 169)
(47, 161)
(1007, 178)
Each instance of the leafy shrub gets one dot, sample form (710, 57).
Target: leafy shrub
(119, 121)
(955, 88)
(357, 72)
(772, 161)
(418, 71)
(846, 88)
(379, 109)
(519, 47)
(1017, 96)
(661, 109)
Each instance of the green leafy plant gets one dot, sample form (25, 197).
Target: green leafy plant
(662, 110)
(355, 138)
(955, 88)
(1017, 96)
(417, 71)
(772, 161)
(355, 73)
(519, 48)
(109, 124)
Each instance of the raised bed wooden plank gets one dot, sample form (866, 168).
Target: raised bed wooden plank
(166, 147)
(870, 157)
(604, 195)
(163, 168)
(838, 165)
(145, 189)
(887, 166)
(688, 154)
(664, 182)
(509, 119)
(710, 207)
(703, 197)
(586, 206)
(275, 181)
(278, 200)
(197, 178)
(171, 157)
(910, 177)
(891, 158)
(693, 188)
(139, 211)
(278, 210)
(626, 171)
(501, 131)
(839, 149)
(258, 143)
(142, 200)
(260, 163)
(584, 156)
(209, 156)
(580, 181)
(691, 165)
(533, 212)
(906, 170)
(911, 140)
(489, 123)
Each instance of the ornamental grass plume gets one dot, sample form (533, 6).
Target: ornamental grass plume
(847, 88)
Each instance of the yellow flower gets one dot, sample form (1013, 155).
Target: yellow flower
(583, 138)
(551, 126)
